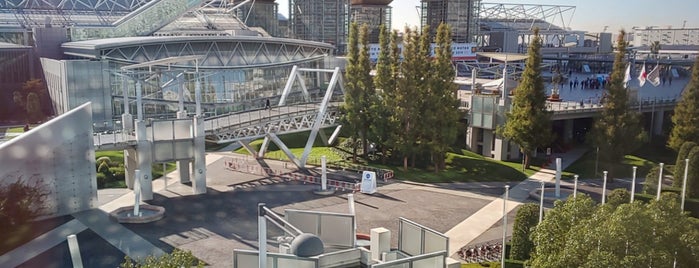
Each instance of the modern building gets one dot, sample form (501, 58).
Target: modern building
(666, 37)
(324, 21)
(461, 15)
(373, 13)
(260, 14)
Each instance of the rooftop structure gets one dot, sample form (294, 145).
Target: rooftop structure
(461, 15)
(373, 13)
(320, 20)
(666, 37)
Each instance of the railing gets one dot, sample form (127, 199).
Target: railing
(595, 105)
(250, 118)
(113, 138)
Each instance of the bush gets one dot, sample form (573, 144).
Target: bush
(527, 217)
(619, 196)
(649, 186)
(118, 173)
(101, 180)
(693, 174)
(21, 202)
(679, 164)
(103, 168)
(176, 259)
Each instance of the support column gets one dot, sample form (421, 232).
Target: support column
(500, 151)
(130, 167)
(126, 123)
(657, 127)
(568, 130)
(183, 165)
(144, 151)
(199, 182)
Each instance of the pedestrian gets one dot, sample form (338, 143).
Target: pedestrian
(570, 85)
(267, 106)
(662, 79)
(669, 79)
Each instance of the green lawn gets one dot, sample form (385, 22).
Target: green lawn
(645, 158)
(118, 157)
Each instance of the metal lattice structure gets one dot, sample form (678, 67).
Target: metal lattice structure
(215, 52)
(279, 124)
(65, 13)
(525, 16)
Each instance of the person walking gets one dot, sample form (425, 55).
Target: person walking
(267, 106)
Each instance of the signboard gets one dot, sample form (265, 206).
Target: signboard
(368, 182)
(459, 51)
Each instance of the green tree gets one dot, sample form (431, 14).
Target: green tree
(383, 126)
(685, 120)
(407, 105)
(29, 99)
(443, 112)
(20, 202)
(366, 86)
(177, 259)
(650, 185)
(617, 131)
(680, 163)
(352, 105)
(629, 235)
(618, 196)
(528, 122)
(655, 48)
(526, 219)
(551, 236)
(693, 173)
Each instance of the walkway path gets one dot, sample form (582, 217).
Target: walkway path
(478, 223)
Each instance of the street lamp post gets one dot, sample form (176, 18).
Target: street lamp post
(660, 182)
(504, 226)
(604, 188)
(633, 183)
(684, 182)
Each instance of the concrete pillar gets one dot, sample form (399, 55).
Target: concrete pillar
(380, 242)
(130, 166)
(657, 127)
(144, 151)
(199, 182)
(568, 130)
(500, 150)
(183, 165)
(126, 122)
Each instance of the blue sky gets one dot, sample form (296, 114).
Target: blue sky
(590, 15)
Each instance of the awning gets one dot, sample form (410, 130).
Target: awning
(501, 56)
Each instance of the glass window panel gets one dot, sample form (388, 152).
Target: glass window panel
(162, 130)
(184, 149)
(488, 105)
(488, 121)
(182, 129)
(477, 120)
(434, 242)
(410, 239)
(162, 151)
(435, 261)
(337, 230)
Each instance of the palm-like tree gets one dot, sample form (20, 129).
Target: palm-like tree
(655, 48)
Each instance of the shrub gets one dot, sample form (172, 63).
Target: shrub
(103, 168)
(101, 180)
(693, 174)
(679, 164)
(104, 159)
(527, 217)
(618, 196)
(176, 259)
(21, 202)
(118, 173)
(649, 186)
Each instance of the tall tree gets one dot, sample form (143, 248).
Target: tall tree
(443, 111)
(407, 96)
(385, 82)
(366, 86)
(618, 130)
(352, 105)
(680, 163)
(585, 235)
(686, 118)
(528, 122)
(655, 48)
(526, 219)
(693, 173)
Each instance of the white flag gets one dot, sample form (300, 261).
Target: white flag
(627, 75)
(642, 76)
(654, 76)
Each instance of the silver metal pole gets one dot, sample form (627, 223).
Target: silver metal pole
(684, 182)
(604, 188)
(633, 183)
(575, 186)
(660, 182)
(262, 235)
(74, 249)
(504, 225)
(541, 202)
